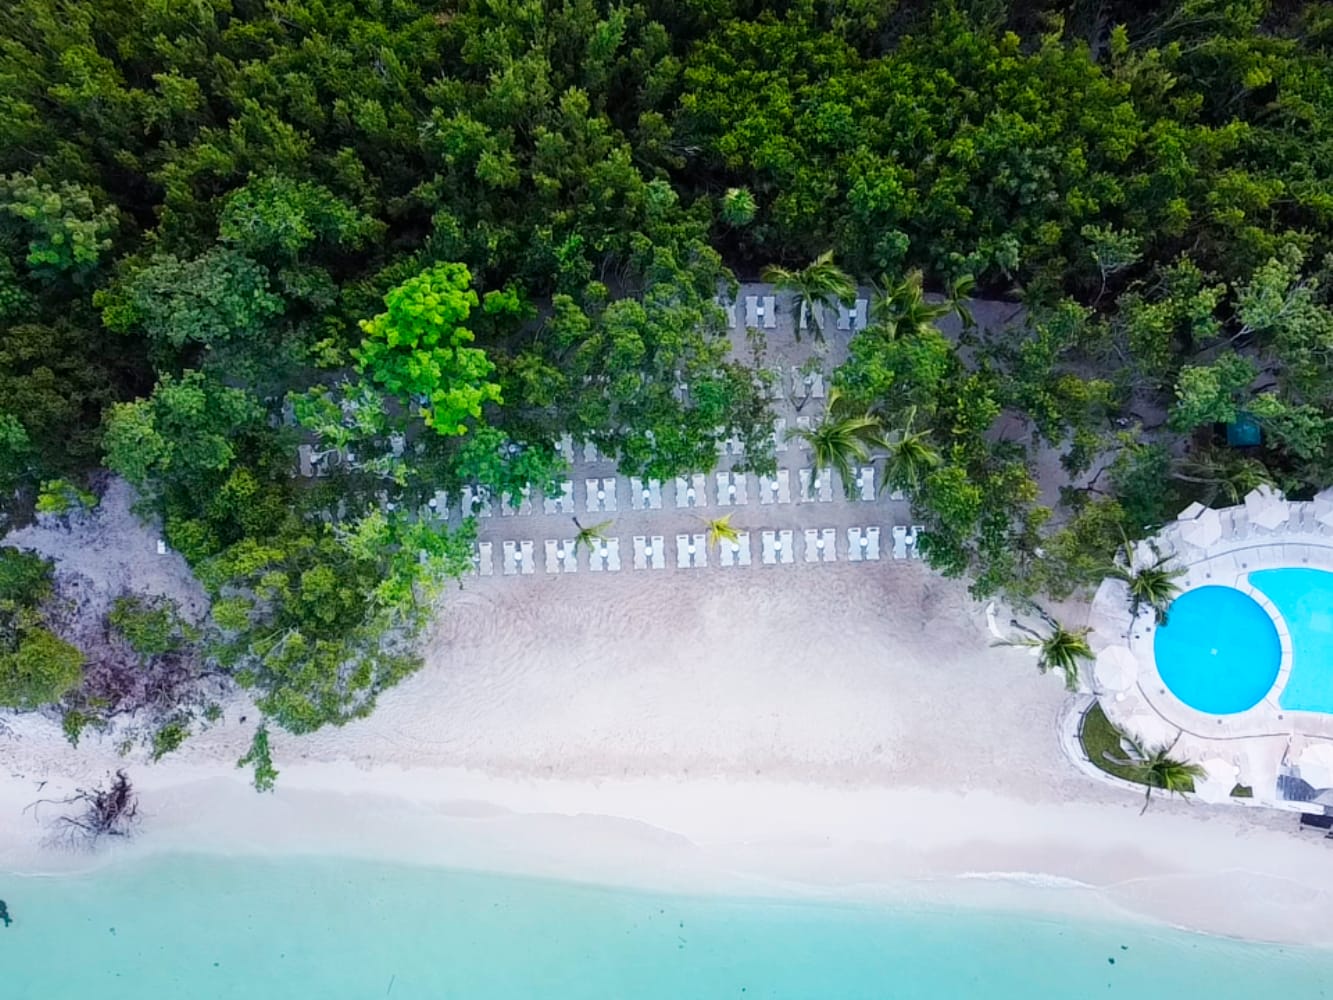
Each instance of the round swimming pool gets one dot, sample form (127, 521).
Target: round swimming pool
(1219, 651)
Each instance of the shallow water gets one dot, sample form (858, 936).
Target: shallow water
(215, 927)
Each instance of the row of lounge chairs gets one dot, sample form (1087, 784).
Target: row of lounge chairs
(761, 313)
(603, 494)
(693, 551)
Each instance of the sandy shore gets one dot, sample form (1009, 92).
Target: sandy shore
(835, 729)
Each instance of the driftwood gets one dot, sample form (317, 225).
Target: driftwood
(112, 811)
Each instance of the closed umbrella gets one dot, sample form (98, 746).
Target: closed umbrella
(1116, 669)
(1266, 507)
(1191, 512)
(1315, 765)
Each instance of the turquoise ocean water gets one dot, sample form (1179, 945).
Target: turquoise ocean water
(185, 927)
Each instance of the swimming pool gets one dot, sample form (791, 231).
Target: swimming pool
(1304, 599)
(1219, 650)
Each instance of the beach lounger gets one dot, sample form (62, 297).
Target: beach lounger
(476, 501)
(590, 453)
(305, 460)
(780, 442)
(649, 552)
(820, 490)
(913, 541)
(565, 446)
(691, 491)
(775, 489)
(735, 553)
(853, 318)
(483, 560)
(601, 494)
(856, 545)
(900, 541)
(561, 503)
(611, 549)
(597, 556)
(865, 483)
(768, 547)
(786, 549)
(684, 557)
(511, 557)
(761, 312)
(645, 495)
(728, 307)
(508, 508)
(812, 538)
(872, 543)
(806, 385)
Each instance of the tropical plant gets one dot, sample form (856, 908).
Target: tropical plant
(911, 456)
(589, 535)
(1153, 585)
(1157, 769)
(821, 283)
(720, 529)
(1060, 648)
(840, 440)
(901, 306)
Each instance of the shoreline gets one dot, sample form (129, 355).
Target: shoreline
(726, 838)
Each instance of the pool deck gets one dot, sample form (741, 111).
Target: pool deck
(1261, 741)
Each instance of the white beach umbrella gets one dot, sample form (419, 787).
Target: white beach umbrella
(1217, 784)
(1116, 669)
(1266, 507)
(1203, 530)
(1315, 765)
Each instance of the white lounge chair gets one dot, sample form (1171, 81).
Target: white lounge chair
(590, 453)
(865, 482)
(735, 553)
(611, 549)
(511, 558)
(914, 540)
(775, 488)
(820, 490)
(483, 560)
(872, 543)
(565, 446)
(856, 545)
(899, 541)
(786, 548)
(812, 538)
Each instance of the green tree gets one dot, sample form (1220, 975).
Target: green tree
(66, 232)
(417, 349)
(182, 436)
(218, 297)
(40, 671)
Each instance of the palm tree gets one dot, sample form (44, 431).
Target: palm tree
(902, 307)
(589, 535)
(720, 530)
(1153, 585)
(821, 283)
(1059, 649)
(840, 440)
(1158, 769)
(911, 457)
(1222, 473)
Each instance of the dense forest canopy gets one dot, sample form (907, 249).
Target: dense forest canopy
(435, 235)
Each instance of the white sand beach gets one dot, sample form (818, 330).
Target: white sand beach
(837, 729)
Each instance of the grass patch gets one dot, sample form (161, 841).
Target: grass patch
(1099, 737)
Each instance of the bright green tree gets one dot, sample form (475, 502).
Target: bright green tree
(417, 349)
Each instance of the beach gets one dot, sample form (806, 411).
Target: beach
(827, 731)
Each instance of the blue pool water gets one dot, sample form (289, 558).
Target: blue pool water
(1218, 651)
(1304, 599)
(200, 928)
